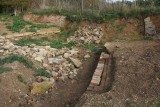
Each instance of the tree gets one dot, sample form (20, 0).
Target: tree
(17, 5)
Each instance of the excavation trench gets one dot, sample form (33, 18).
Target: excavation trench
(68, 93)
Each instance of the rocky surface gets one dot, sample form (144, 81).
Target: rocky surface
(60, 63)
(87, 34)
(149, 26)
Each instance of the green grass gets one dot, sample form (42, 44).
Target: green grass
(29, 41)
(93, 48)
(148, 38)
(105, 15)
(19, 23)
(58, 44)
(12, 58)
(5, 69)
(21, 78)
(154, 103)
(75, 16)
(58, 41)
(120, 27)
(43, 72)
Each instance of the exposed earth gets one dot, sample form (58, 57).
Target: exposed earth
(49, 66)
(136, 80)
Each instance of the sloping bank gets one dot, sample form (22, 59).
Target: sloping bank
(67, 93)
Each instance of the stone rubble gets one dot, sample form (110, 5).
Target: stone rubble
(150, 28)
(87, 34)
(61, 63)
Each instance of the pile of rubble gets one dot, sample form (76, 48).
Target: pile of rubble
(61, 63)
(87, 34)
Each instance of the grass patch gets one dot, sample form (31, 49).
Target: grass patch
(120, 27)
(43, 72)
(5, 69)
(154, 103)
(21, 78)
(12, 58)
(29, 41)
(105, 15)
(147, 38)
(93, 48)
(18, 24)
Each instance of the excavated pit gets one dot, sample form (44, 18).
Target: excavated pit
(68, 93)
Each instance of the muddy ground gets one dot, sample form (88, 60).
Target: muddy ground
(136, 78)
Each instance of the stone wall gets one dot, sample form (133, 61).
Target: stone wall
(152, 26)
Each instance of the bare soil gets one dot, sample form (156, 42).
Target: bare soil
(135, 83)
(13, 91)
(136, 80)
(67, 93)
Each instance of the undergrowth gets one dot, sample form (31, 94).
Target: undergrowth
(58, 41)
(5, 69)
(12, 58)
(16, 24)
(43, 72)
(23, 60)
(105, 15)
(21, 78)
(93, 48)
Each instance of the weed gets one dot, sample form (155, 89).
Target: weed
(13, 58)
(154, 103)
(93, 48)
(18, 24)
(21, 78)
(28, 41)
(57, 44)
(147, 38)
(4, 34)
(70, 44)
(41, 96)
(43, 72)
(120, 27)
(5, 69)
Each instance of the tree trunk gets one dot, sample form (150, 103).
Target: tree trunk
(82, 6)
(15, 11)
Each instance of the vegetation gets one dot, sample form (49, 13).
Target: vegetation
(12, 58)
(17, 5)
(58, 41)
(5, 69)
(19, 24)
(93, 48)
(43, 72)
(29, 41)
(21, 78)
